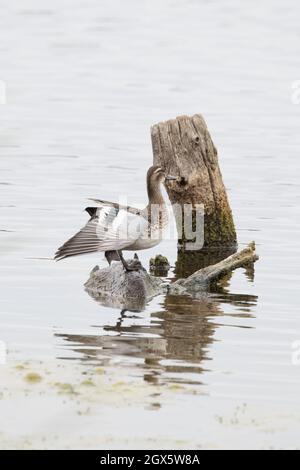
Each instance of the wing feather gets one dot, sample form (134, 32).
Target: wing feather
(110, 228)
(103, 203)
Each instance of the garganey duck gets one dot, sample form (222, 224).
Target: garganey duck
(114, 227)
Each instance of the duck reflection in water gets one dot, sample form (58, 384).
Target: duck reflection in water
(176, 343)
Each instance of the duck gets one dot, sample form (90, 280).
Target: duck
(114, 228)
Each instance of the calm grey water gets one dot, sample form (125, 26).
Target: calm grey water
(85, 80)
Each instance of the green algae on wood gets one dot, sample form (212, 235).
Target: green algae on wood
(159, 265)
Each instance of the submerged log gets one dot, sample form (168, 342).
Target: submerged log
(114, 287)
(183, 146)
(202, 279)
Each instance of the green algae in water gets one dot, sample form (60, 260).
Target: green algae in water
(64, 387)
(33, 377)
(118, 384)
(176, 387)
(88, 383)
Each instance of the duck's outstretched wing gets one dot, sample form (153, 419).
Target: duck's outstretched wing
(108, 229)
(102, 203)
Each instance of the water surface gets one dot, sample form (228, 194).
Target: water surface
(85, 81)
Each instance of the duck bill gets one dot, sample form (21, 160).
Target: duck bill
(171, 178)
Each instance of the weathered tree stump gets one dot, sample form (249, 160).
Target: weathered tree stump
(183, 146)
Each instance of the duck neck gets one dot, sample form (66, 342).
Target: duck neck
(154, 194)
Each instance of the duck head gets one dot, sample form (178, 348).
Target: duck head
(156, 175)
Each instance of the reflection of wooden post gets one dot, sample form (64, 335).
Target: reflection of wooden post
(183, 147)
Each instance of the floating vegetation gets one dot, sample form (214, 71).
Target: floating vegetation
(33, 377)
(64, 387)
(88, 383)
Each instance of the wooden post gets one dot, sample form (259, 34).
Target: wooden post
(183, 146)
